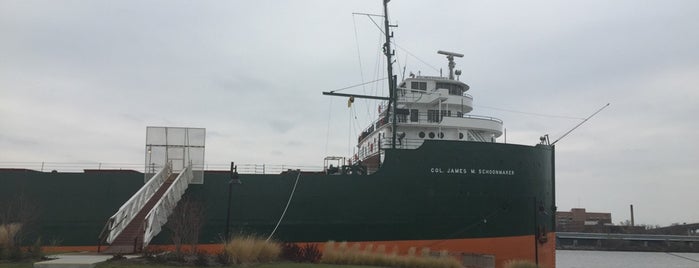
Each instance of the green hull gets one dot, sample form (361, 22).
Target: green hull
(443, 190)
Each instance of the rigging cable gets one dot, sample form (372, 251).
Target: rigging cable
(377, 26)
(352, 86)
(416, 57)
(293, 190)
(583, 122)
(359, 58)
(349, 132)
(327, 132)
(379, 67)
(680, 256)
(405, 50)
(529, 113)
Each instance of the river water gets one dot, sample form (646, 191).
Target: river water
(600, 259)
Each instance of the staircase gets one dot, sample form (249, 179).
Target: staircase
(476, 136)
(141, 218)
(130, 239)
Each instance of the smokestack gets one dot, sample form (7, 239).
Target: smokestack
(632, 223)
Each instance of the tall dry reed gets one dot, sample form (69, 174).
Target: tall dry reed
(251, 249)
(342, 254)
(520, 264)
(8, 232)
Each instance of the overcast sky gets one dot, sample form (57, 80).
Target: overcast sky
(81, 80)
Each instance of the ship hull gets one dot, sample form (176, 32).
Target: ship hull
(465, 197)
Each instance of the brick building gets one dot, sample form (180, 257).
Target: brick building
(579, 220)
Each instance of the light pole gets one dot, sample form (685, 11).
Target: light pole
(234, 180)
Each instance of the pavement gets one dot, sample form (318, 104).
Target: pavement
(74, 260)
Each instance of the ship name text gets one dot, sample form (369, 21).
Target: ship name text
(473, 171)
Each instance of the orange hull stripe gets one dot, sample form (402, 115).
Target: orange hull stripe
(503, 248)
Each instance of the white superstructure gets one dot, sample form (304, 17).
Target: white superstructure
(428, 108)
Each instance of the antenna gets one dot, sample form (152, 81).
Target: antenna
(583, 122)
(450, 53)
(452, 64)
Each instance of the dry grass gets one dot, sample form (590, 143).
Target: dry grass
(520, 264)
(250, 249)
(334, 253)
(8, 232)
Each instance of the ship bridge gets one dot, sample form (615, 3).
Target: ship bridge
(428, 108)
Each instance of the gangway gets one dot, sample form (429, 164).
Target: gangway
(180, 153)
(142, 217)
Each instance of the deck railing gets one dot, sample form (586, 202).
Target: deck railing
(434, 117)
(128, 211)
(84, 166)
(157, 217)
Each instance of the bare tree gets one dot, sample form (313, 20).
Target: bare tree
(16, 216)
(185, 223)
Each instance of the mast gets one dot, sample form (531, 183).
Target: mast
(391, 78)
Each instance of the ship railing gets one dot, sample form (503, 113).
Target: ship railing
(407, 116)
(414, 95)
(386, 143)
(47, 166)
(89, 166)
(157, 217)
(128, 211)
(402, 143)
(430, 117)
(272, 168)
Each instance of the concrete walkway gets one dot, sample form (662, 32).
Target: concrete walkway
(74, 260)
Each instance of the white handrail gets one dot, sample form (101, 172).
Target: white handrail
(157, 217)
(128, 211)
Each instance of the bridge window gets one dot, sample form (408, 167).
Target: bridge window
(413, 115)
(432, 116)
(454, 89)
(418, 85)
(446, 113)
(402, 115)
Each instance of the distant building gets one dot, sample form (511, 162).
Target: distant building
(579, 220)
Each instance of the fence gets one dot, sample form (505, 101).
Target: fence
(82, 166)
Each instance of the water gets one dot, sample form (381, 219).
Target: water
(600, 259)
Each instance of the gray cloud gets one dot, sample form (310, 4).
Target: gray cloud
(80, 81)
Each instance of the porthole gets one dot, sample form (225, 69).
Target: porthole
(441, 135)
(421, 134)
(461, 136)
(431, 135)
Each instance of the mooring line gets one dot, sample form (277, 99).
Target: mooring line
(680, 256)
(285, 208)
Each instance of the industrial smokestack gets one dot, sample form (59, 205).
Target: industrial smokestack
(632, 223)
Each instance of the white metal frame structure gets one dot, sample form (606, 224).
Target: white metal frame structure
(178, 146)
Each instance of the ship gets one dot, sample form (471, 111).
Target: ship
(426, 174)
